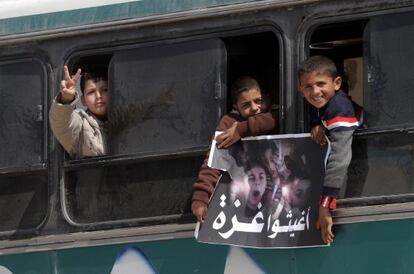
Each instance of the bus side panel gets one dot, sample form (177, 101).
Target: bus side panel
(375, 247)
(167, 256)
(33, 263)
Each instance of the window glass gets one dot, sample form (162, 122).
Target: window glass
(390, 55)
(136, 190)
(165, 98)
(23, 201)
(382, 164)
(21, 121)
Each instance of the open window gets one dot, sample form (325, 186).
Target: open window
(256, 55)
(374, 54)
(23, 173)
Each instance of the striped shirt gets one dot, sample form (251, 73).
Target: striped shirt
(341, 113)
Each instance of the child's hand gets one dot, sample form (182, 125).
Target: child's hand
(324, 224)
(68, 86)
(318, 135)
(199, 210)
(228, 137)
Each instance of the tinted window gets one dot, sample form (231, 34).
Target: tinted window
(23, 201)
(382, 164)
(21, 121)
(390, 56)
(141, 190)
(166, 98)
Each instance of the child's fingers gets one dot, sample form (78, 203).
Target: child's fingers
(220, 137)
(66, 71)
(230, 143)
(225, 143)
(322, 141)
(204, 215)
(200, 218)
(63, 84)
(326, 238)
(328, 234)
(77, 75)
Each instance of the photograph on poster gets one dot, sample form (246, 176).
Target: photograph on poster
(268, 193)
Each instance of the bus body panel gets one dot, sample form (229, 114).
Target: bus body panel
(374, 247)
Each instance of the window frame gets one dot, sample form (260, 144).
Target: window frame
(361, 209)
(137, 158)
(43, 167)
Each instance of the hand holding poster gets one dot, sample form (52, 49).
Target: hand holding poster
(268, 195)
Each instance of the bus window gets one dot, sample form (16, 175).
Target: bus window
(164, 101)
(21, 114)
(165, 98)
(378, 77)
(153, 191)
(255, 55)
(165, 104)
(23, 201)
(23, 176)
(389, 70)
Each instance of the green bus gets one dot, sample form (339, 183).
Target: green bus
(169, 64)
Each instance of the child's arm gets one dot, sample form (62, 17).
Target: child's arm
(207, 178)
(335, 174)
(203, 189)
(339, 159)
(259, 124)
(64, 122)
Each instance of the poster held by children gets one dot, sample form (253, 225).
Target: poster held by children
(268, 195)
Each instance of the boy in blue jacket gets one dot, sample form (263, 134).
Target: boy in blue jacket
(338, 117)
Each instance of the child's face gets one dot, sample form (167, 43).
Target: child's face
(256, 177)
(296, 193)
(249, 103)
(95, 97)
(318, 88)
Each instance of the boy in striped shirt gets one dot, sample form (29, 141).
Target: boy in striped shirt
(320, 84)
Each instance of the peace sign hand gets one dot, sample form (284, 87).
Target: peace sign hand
(68, 86)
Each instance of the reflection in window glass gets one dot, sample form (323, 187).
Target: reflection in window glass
(390, 78)
(23, 201)
(381, 165)
(21, 125)
(140, 190)
(165, 98)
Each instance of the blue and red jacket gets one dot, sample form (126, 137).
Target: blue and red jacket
(340, 117)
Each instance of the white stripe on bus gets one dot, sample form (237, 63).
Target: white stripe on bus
(17, 8)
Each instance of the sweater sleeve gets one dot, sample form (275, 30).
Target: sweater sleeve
(338, 162)
(260, 124)
(207, 176)
(65, 123)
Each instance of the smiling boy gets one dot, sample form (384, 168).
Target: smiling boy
(81, 132)
(320, 85)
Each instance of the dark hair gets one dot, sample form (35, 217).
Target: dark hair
(96, 74)
(258, 162)
(318, 63)
(242, 84)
